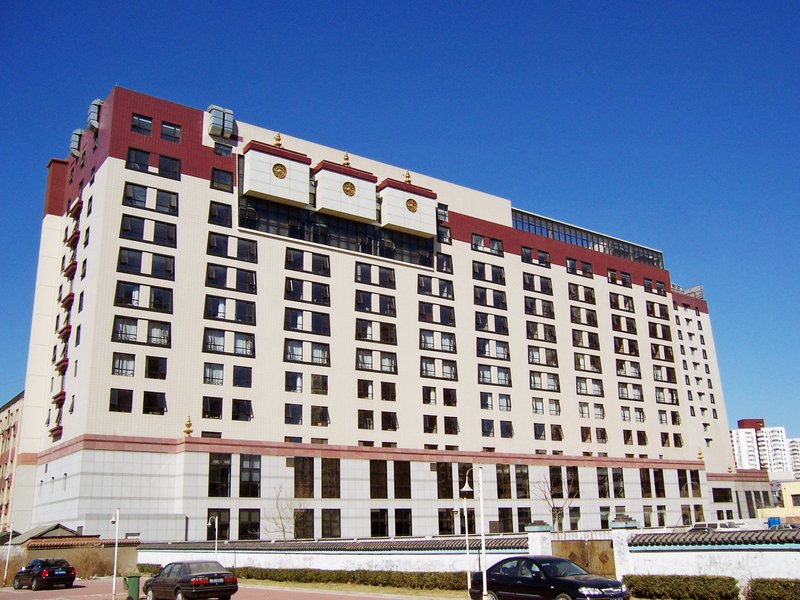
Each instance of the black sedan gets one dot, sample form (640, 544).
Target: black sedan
(190, 580)
(41, 573)
(543, 578)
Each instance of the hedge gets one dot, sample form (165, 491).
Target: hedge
(772, 589)
(399, 579)
(682, 587)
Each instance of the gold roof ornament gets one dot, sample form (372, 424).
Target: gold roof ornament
(730, 469)
(187, 427)
(346, 160)
(407, 177)
(278, 143)
(699, 454)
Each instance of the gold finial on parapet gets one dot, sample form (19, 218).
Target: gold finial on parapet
(407, 177)
(699, 454)
(278, 143)
(187, 427)
(730, 469)
(346, 160)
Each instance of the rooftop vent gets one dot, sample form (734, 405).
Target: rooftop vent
(93, 120)
(75, 142)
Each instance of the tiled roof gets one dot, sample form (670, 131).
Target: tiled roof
(734, 537)
(448, 544)
(77, 542)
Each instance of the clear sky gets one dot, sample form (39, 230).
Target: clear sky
(675, 125)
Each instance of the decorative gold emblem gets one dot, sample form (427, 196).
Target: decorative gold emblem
(279, 170)
(411, 205)
(348, 188)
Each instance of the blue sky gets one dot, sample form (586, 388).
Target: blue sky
(673, 124)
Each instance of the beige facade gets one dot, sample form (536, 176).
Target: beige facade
(388, 332)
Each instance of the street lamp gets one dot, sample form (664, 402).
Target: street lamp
(8, 552)
(466, 489)
(115, 522)
(216, 532)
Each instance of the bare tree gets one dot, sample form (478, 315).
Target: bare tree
(280, 522)
(558, 503)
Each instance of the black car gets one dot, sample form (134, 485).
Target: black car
(543, 578)
(192, 579)
(43, 573)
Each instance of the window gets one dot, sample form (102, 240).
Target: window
(212, 407)
(155, 367)
(170, 132)
(378, 481)
(161, 299)
(141, 124)
(293, 414)
(125, 329)
(158, 333)
(487, 428)
(121, 401)
(320, 416)
(242, 376)
(167, 202)
(154, 403)
(242, 410)
(221, 180)
(249, 524)
(219, 475)
(130, 261)
(163, 267)
(123, 364)
(219, 214)
(169, 167)
(212, 373)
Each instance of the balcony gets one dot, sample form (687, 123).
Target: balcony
(75, 210)
(64, 332)
(66, 301)
(61, 365)
(70, 268)
(58, 399)
(73, 238)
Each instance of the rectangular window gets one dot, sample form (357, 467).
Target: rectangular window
(249, 476)
(219, 214)
(378, 483)
(141, 124)
(221, 180)
(169, 167)
(331, 476)
(303, 477)
(154, 403)
(402, 479)
(249, 524)
(242, 410)
(155, 367)
(212, 407)
(503, 475)
(303, 523)
(219, 475)
(170, 132)
(123, 364)
(121, 401)
(221, 522)
(331, 523)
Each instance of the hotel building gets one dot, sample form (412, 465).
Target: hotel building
(238, 327)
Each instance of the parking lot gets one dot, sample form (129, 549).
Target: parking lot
(101, 589)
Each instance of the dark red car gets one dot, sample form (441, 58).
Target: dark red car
(190, 580)
(41, 573)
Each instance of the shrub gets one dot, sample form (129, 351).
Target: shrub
(414, 580)
(148, 568)
(682, 587)
(772, 589)
(89, 563)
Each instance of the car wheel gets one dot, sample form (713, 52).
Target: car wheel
(563, 597)
(36, 584)
(226, 597)
(17, 584)
(179, 595)
(69, 585)
(151, 594)
(491, 596)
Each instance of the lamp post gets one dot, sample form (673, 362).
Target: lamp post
(8, 552)
(483, 532)
(216, 532)
(464, 491)
(115, 521)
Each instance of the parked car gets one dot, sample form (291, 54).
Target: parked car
(190, 580)
(41, 573)
(545, 578)
(785, 526)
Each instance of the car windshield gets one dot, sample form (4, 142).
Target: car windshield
(55, 562)
(205, 567)
(561, 568)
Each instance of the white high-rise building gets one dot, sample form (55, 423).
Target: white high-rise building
(233, 324)
(745, 448)
(794, 456)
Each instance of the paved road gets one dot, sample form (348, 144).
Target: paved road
(100, 589)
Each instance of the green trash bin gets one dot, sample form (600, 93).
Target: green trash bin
(132, 585)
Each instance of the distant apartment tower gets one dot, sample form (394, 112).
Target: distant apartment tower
(794, 456)
(770, 444)
(239, 325)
